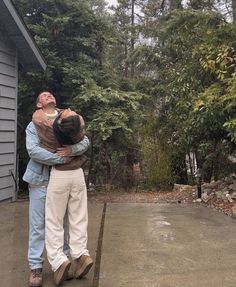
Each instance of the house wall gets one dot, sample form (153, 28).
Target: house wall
(8, 117)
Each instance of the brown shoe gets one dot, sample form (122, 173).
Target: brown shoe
(36, 279)
(60, 274)
(83, 265)
(69, 275)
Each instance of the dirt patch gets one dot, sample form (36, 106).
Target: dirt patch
(158, 197)
(179, 197)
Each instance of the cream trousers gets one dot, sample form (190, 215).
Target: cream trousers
(66, 191)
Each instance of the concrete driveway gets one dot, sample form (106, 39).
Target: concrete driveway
(134, 245)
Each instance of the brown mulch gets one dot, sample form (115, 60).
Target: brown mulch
(158, 197)
(225, 207)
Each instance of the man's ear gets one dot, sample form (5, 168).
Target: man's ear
(39, 105)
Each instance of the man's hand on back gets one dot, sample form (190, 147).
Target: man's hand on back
(65, 151)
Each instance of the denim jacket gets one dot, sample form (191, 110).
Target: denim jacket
(37, 171)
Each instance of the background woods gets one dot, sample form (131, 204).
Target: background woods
(155, 81)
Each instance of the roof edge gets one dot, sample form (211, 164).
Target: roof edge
(25, 32)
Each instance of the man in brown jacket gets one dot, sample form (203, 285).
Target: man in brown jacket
(66, 191)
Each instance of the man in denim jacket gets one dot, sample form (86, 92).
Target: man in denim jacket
(37, 176)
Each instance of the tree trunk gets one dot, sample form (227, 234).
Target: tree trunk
(217, 153)
(129, 168)
(175, 4)
(172, 5)
(234, 10)
(132, 35)
(126, 70)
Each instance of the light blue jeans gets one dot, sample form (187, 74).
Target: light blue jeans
(37, 196)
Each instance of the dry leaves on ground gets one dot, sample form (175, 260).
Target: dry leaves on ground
(188, 196)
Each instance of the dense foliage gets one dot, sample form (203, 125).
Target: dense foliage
(154, 80)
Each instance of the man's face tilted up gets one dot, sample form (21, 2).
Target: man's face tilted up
(45, 99)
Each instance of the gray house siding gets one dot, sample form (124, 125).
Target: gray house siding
(8, 117)
(16, 45)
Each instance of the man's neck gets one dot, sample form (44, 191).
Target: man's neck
(49, 110)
